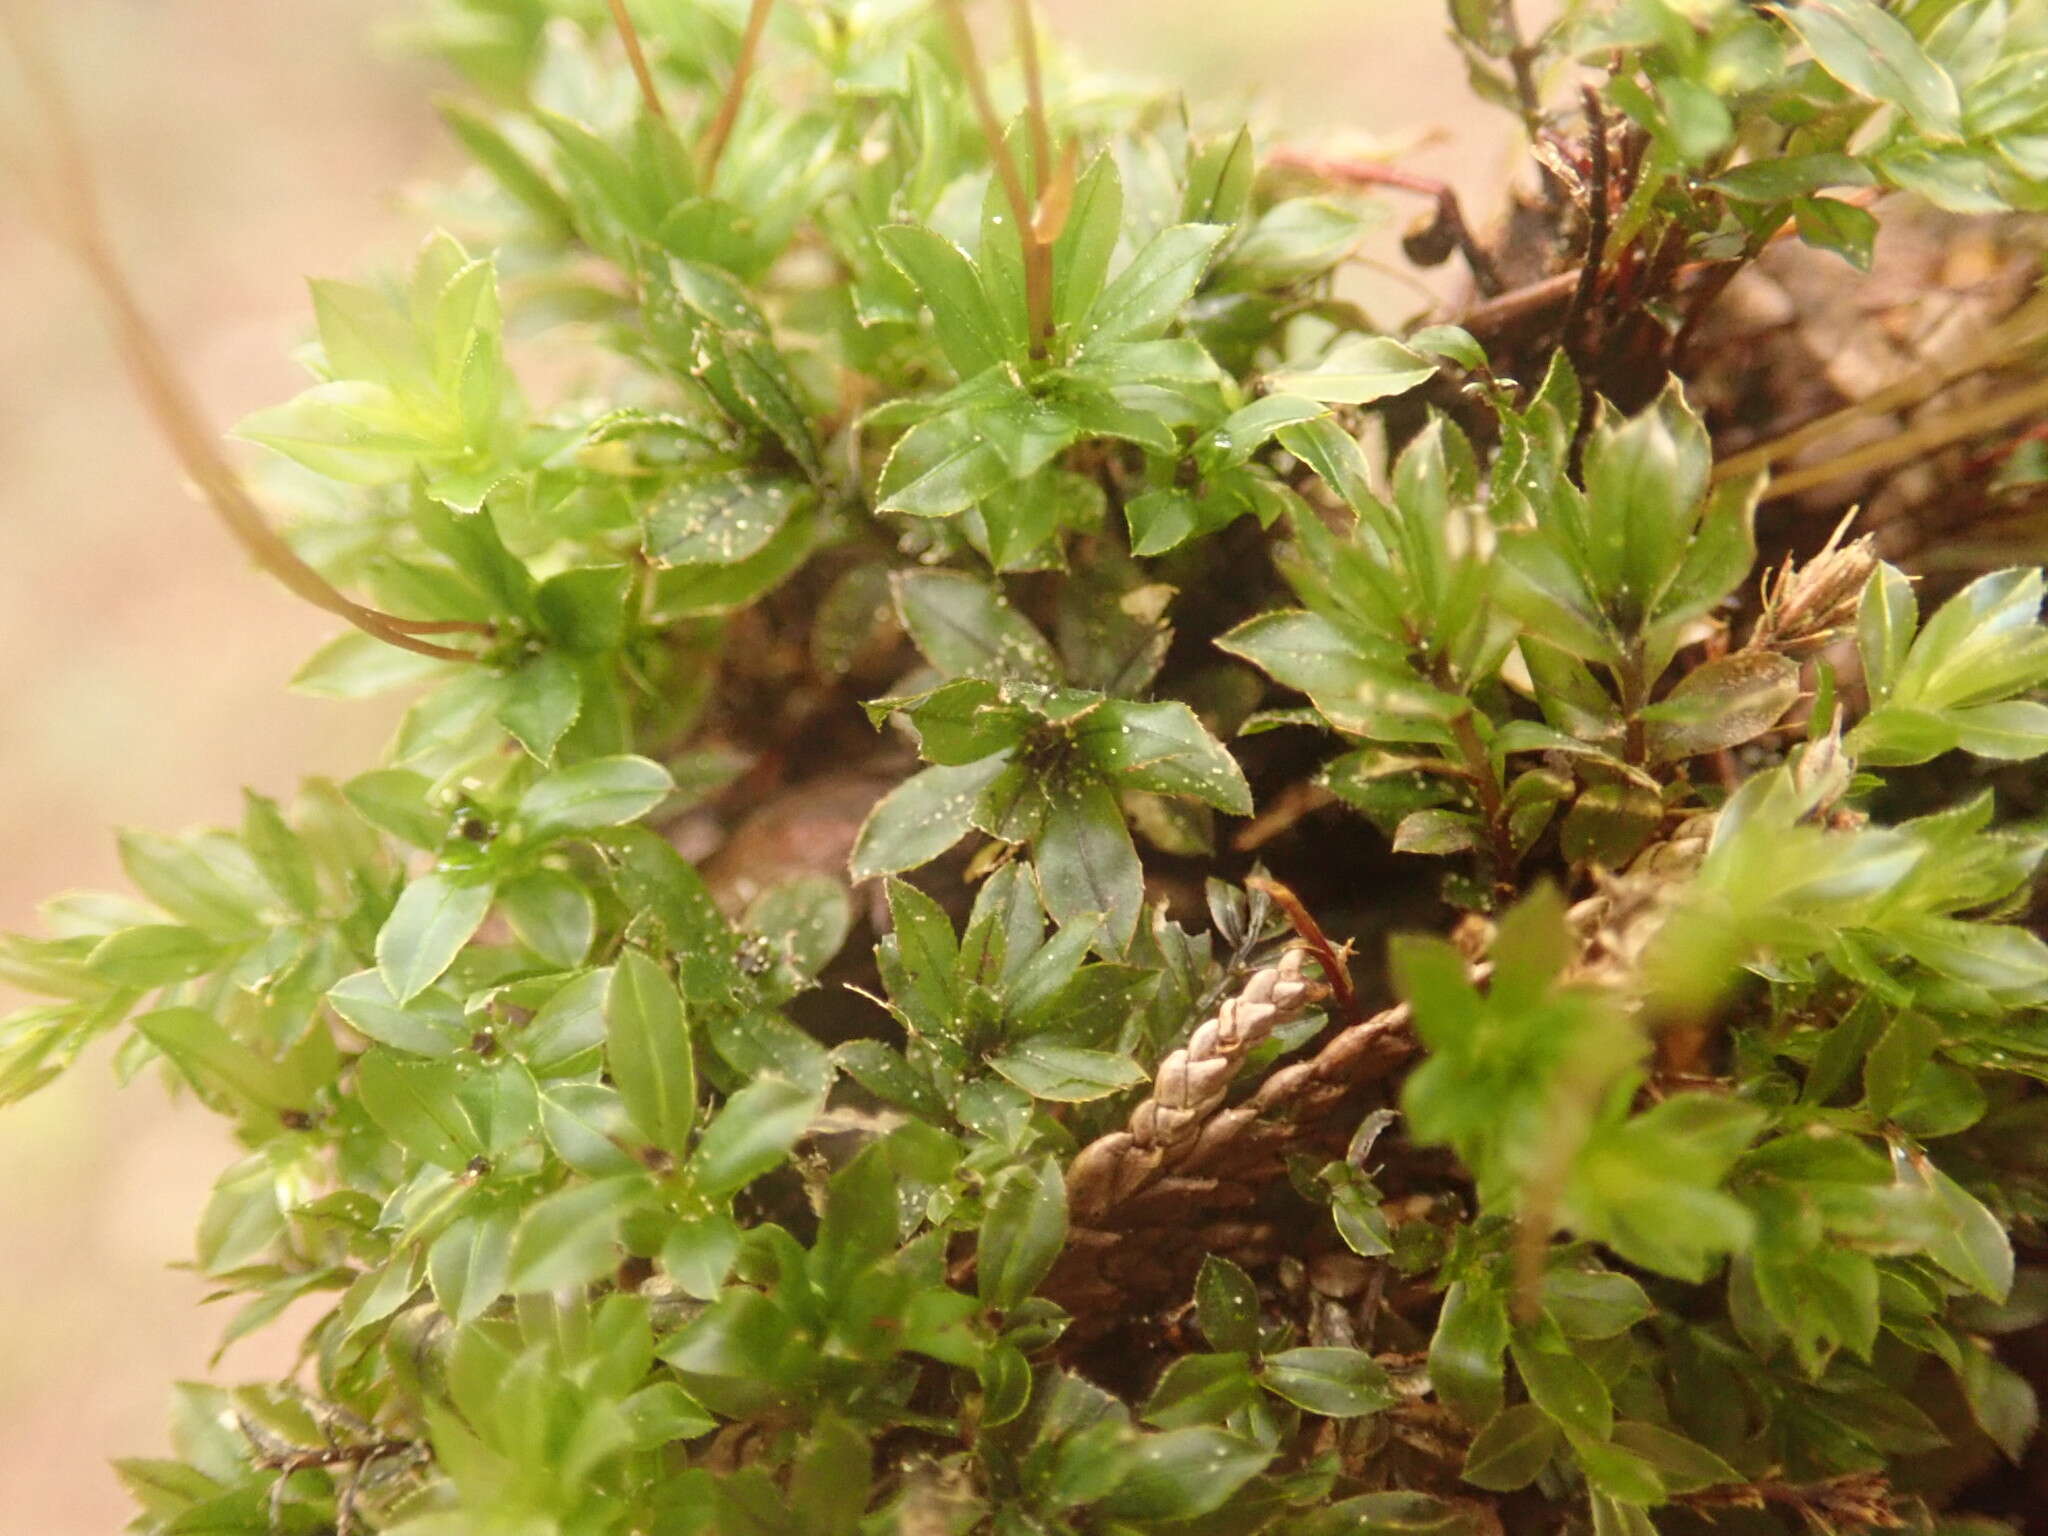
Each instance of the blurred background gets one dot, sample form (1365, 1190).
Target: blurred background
(246, 144)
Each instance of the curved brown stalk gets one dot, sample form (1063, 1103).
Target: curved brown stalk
(72, 206)
(720, 131)
(1034, 234)
(636, 56)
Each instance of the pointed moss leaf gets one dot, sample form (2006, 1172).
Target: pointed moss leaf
(806, 918)
(418, 1104)
(243, 1217)
(1590, 1304)
(648, 1051)
(543, 698)
(1722, 703)
(752, 1134)
(941, 467)
(1560, 1383)
(1646, 479)
(921, 818)
(1780, 178)
(469, 1265)
(604, 792)
(1202, 1389)
(1547, 591)
(1219, 179)
(1066, 1074)
(1162, 520)
(1163, 748)
(1829, 224)
(1248, 429)
(1081, 254)
(217, 1062)
(1511, 1449)
(1086, 865)
(435, 916)
(1023, 1228)
(570, 1238)
(723, 520)
(965, 322)
(1682, 1465)
(1142, 300)
(1337, 1383)
(1301, 650)
(587, 1126)
(1435, 831)
(1184, 1473)
(511, 168)
(965, 625)
(1226, 1305)
(2001, 1400)
(431, 1024)
(1356, 371)
(696, 591)
(206, 882)
(1609, 822)
(1870, 51)
(279, 853)
(568, 1025)
(552, 914)
(1975, 1248)
(396, 800)
(583, 610)
(1451, 341)
(1293, 240)
(153, 955)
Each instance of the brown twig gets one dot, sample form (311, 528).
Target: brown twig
(2026, 328)
(1923, 438)
(622, 20)
(1528, 305)
(1282, 813)
(1532, 305)
(73, 205)
(728, 114)
(1450, 216)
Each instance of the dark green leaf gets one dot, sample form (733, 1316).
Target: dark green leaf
(1227, 1305)
(1511, 1449)
(1337, 1383)
(752, 1134)
(1143, 298)
(1022, 1232)
(648, 1051)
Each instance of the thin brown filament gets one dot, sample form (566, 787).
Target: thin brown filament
(1034, 85)
(72, 204)
(720, 131)
(622, 19)
(1037, 253)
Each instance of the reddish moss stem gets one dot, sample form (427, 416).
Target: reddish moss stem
(1328, 955)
